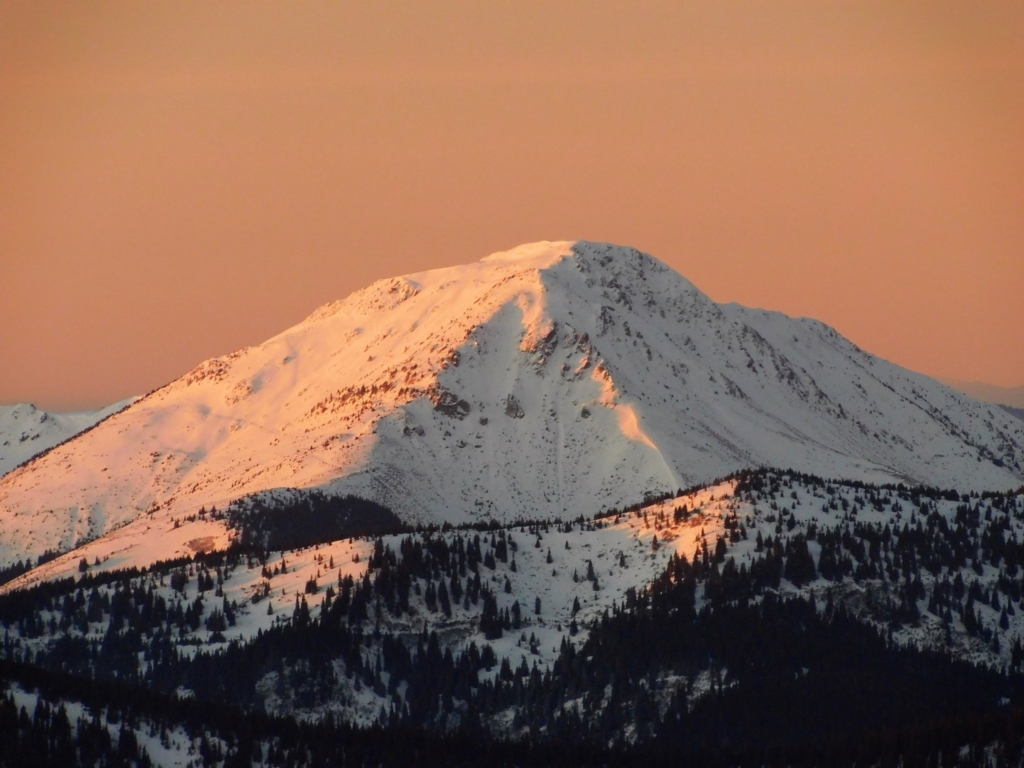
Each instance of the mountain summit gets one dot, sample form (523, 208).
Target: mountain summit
(554, 379)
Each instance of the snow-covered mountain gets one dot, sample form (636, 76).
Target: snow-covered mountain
(552, 380)
(26, 431)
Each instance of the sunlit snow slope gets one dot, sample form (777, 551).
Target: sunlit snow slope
(26, 431)
(551, 380)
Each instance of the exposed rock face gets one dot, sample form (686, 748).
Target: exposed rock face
(513, 408)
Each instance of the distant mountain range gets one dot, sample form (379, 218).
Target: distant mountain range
(26, 431)
(1010, 398)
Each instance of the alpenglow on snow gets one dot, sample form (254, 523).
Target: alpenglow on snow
(552, 380)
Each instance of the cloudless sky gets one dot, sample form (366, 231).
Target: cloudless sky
(178, 180)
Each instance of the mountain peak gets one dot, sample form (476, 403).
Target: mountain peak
(542, 253)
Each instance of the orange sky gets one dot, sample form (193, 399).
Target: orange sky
(178, 180)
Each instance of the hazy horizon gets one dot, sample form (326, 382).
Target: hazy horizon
(181, 181)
